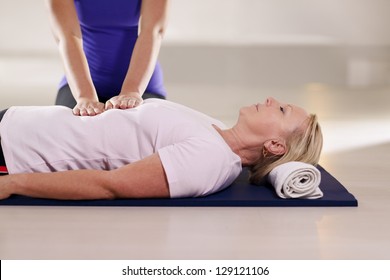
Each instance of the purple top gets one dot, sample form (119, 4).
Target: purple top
(110, 30)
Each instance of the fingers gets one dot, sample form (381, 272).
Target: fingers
(108, 105)
(93, 108)
(123, 102)
(88, 109)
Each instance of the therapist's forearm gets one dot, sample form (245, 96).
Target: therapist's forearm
(142, 63)
(72, 185)
(76, 68)
(153, 21)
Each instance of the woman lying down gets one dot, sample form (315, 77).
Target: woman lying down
(158, 150)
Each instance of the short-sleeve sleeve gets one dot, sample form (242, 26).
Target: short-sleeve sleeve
(197, 167)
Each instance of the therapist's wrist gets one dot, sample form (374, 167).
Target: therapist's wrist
(134, 94)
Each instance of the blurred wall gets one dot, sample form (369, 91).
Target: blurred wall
(358, 22)
(286, 42)
(24, 23)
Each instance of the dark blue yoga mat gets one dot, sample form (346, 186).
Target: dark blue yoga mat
(240, 193)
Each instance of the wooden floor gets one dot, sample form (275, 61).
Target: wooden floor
(356, 124)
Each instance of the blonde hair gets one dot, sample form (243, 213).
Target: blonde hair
(302, 145)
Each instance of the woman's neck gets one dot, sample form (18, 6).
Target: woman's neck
(237, 144)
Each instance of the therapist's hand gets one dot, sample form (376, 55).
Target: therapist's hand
(124, 101)
(87, 107)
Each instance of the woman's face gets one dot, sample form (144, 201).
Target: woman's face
(272, 119)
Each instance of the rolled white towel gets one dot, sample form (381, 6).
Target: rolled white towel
(296, 180)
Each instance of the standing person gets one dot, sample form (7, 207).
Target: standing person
(109, 49)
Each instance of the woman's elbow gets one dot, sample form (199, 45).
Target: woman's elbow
(109, 194)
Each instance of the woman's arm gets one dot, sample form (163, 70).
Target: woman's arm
(143, 61)
(66, 30)
(143, 179)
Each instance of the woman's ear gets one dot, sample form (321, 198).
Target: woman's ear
(276, 146)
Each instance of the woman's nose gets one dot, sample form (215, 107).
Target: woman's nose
(269, 101)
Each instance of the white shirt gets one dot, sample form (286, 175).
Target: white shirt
(196, 159)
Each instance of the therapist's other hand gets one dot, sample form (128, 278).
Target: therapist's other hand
(88, 107)
(124, 101)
